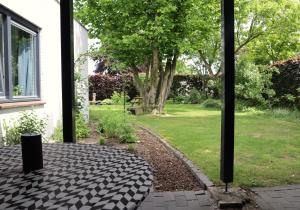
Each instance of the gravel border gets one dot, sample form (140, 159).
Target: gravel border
(200, 176)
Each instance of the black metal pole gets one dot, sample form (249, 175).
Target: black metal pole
(67, 63)
(227, 145)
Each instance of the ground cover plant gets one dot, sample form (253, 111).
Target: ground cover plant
(267, 147)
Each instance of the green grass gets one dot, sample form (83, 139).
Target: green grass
(267, 148)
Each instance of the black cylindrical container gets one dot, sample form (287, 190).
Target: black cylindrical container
(32, 152)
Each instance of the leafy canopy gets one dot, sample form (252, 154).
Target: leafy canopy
(130, 29)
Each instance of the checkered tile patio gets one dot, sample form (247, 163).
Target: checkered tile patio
(75, 176)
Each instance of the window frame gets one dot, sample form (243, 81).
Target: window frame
(9, 18)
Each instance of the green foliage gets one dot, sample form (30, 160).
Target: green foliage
(82, 129)
(58, 133)
(131, 148)
(107, 102)
(128, 34)
(126, 134)
(181, 99)
(17, 90)
(195, 96)
(102, 140)
(27, 122)
(211, 103)
(265, 31)
(253, 82)
(117, 125)
(192, 96)
(118, 98)
(80, 90)
(183, 69)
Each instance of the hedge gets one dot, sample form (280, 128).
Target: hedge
(287, 83)
(105, 85)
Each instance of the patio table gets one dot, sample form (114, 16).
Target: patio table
(75, 176)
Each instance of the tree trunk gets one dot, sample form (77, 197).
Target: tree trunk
(155, 88)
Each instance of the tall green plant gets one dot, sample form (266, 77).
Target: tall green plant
(117, 125)
(253, 82)
(27, 122)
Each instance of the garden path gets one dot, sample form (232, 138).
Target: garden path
(278, 198)
(183, 200)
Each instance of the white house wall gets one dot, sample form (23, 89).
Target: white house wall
(46, 15)
(81, 58)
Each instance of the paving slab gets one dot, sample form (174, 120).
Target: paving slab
(183, 200)
(281, 198)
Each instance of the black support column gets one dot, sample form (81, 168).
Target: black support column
(227, 145)
(67, 62)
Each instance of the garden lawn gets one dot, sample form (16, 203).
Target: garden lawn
(267, 149)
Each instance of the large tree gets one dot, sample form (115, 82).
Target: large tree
(142, 36)
(266, 30)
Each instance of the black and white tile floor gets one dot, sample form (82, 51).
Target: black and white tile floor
(75, 177)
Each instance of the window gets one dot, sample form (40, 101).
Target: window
(19, 69)
(1, 58)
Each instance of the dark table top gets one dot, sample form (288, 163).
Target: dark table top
(75, 176)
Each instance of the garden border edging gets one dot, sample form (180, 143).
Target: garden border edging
(199, 175)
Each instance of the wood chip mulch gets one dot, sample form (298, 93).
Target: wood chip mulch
(170, 173)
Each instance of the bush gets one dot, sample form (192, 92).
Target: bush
(118, 98)
(193, 97)
(28, 122)
(196, 97)
(181, 99)
(211, 103)
(126, 134)
(105, 85)
(107, 102)
(287, 83)
(253, 83)
(82, 129)
(131, 148)
(245, 106)
(102, 140)
(117, 125)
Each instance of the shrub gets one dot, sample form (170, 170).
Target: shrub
(181, 99)
(104, 85)
(118, 98)
(28, 122)
(107, 102)
(211, 103)
(286, 83)
(102, 140)
(196, 97)
(126, 134)
(80, 91)
(253, 82)
(81, 129)
(58, 134)
(131, 148)
(117, 125)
